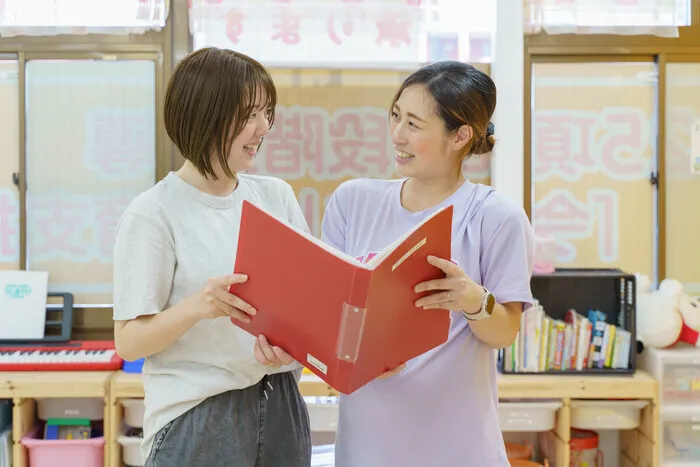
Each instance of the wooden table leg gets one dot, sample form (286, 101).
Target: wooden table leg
(23, 420)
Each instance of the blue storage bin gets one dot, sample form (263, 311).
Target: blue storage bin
(133, 367)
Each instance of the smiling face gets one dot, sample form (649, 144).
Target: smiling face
(245, 146)
(219, 106)
(439, 116)
(424, 147)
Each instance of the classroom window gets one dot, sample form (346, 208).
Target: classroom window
(609, 13)
(9, 163)
(683, 174)
(593, 150)
(331, 126)
(383, 34)
(90, 150)
(77, 17)
(337, 65)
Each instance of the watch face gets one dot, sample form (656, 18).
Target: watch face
(490, 303)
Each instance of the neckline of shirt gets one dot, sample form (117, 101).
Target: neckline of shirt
(460, 192)
(207, 199)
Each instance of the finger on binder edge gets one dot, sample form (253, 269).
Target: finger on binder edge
(392, 372)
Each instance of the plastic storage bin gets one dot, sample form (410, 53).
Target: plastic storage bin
(58, 452)
(323, 416)
(133, 412)
(323, 413)
(606, 414)
(678, 372)
(680, 436)
(681, 442)
(521, 415)
(323, 456)
(90, 408)
(133, 367)
(131, 450)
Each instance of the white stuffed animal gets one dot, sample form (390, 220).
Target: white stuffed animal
(689, 308)
(659, 321)
(666, 316)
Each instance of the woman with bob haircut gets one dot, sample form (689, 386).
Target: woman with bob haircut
(210, 400)
(440, 408)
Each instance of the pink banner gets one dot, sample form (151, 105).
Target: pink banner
(572, 143)
(377, 33)
(309, 141)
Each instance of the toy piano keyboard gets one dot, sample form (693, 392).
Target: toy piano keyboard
(56, 351)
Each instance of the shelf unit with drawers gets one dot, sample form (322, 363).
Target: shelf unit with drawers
(638, 444)
(677, 371)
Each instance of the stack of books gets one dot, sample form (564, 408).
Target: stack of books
(576, 343)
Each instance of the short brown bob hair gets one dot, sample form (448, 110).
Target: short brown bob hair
(209, 98)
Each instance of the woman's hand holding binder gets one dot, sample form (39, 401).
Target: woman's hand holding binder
(389, 373)
(215, 300)
(456, 291)
(270, 355)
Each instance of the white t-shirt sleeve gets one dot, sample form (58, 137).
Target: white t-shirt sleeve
(144, 265)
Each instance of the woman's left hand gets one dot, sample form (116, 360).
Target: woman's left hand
(270, 355)
(456, 291)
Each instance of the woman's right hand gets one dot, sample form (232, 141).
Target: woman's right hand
(391, 373)
(215, 300)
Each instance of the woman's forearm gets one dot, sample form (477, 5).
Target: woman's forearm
(501, 329)
(150, 334)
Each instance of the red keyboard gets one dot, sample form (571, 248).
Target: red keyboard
(65, 356)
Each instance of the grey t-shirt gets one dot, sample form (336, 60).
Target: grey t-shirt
(170, 240)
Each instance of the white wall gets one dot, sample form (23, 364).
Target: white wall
(507, 167)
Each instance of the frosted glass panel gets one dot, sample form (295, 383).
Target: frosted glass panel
(360, 34)
(331, 126)
(593, 150)
(682, 183)
(90, 150)
(9, 164)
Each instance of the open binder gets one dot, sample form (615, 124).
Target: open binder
(347, 321)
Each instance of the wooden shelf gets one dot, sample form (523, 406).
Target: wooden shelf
(39, 384)
(126, 385)
(639, 447)
(24, 387)
(638, 386)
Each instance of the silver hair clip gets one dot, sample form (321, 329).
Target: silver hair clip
(490, 129)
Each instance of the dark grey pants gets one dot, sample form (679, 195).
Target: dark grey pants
(265, 425)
